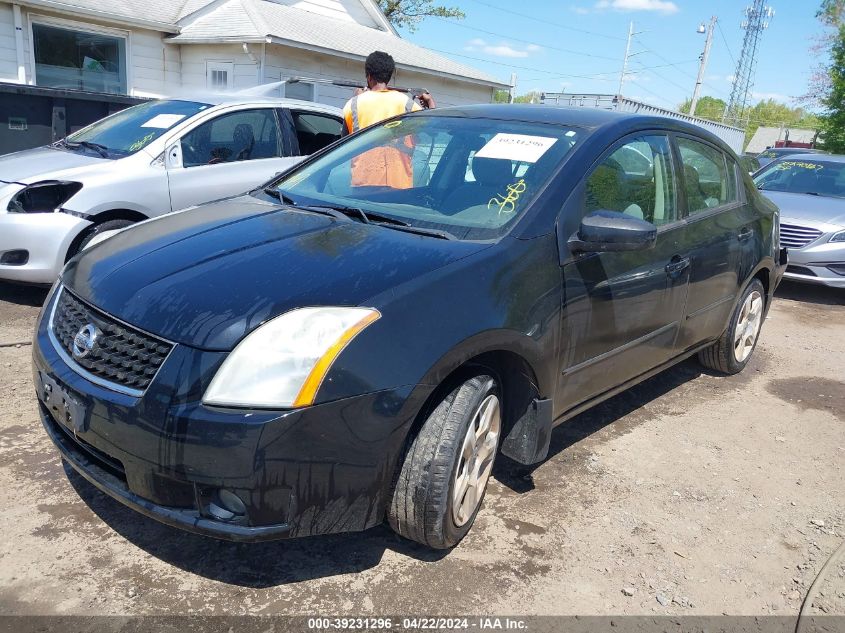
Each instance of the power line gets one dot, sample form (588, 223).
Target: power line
(538, 70)
(677, 67)
(529, 42)
(544, 21)
(725, 40)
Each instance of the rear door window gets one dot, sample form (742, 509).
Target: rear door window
(636, 179)
(315, 131)
(708, 180)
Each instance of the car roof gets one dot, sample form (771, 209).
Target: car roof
(583, 117)
(819, 157)
(793, 150)
(279, 102)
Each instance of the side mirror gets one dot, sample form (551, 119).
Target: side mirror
(173, 155)
(603, 231)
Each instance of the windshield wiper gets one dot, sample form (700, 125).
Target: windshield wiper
(102, 150)
(811, 193)
(286, 199)
(419, 230)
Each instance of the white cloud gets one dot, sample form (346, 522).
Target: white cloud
(660, 6)
(502, 49)
(777, 96)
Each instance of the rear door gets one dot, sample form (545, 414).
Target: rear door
(312, 131)
(719, 224)
(224, 156)
(622, 310)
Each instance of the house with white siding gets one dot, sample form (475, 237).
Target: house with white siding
(171, 47)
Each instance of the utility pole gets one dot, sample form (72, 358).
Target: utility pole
(628, 55)
(757, 20)
(512, 91)
(703, 66)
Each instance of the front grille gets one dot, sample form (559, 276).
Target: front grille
(794, 236)
(121, 354)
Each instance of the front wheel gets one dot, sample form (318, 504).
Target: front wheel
(731, 353)
(441, 482)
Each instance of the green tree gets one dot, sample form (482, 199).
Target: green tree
(501, 96)
(710, 108)
(409, 13)
(529, 97)
(833, 119)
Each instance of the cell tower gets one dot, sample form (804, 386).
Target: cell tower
(756, 20)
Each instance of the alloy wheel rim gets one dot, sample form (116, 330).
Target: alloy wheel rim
(748, 326)
(478, 452)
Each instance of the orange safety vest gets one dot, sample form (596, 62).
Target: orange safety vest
(388, 166)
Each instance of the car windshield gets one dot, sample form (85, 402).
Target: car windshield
(132, 129)
(814, 177)
(466, 178)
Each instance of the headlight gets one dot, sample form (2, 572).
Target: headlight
(283, 362)
(43, 197)
(838, 237)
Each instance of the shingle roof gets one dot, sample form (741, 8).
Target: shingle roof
(256, 20)
(164, 13)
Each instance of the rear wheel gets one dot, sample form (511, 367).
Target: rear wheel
(731, 353)
(441, 483)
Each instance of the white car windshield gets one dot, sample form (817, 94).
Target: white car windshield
(468, 177)
(132, 129)
(798, 175)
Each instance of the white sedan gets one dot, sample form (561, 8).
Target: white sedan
(142, 162)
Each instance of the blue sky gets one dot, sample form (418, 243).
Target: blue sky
(578, 45)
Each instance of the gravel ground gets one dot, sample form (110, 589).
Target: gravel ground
(689, 494)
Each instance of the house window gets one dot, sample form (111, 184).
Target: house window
(219, 75)
(301, 90)
(79, 60)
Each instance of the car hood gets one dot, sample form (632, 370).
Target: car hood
(803, 207)
(43, 163)
(208, 276)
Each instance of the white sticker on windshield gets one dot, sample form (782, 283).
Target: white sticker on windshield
(519, 147)
(164, 121)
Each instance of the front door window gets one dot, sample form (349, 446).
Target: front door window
(233, 137)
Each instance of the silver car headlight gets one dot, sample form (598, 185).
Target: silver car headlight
(838, 237)
(282, 363)
(43, 197)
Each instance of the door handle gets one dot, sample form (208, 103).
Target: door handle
(745, 233)
(676, 266)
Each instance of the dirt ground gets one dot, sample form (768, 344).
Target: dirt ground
(689, 494)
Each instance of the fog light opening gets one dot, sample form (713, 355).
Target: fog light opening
(14, 258)
(226, 505)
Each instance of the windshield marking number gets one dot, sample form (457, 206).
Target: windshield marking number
(507, 203)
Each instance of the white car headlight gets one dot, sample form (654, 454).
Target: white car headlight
(838, 237)
(283, 362)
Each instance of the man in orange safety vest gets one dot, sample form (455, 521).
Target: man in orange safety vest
(390, 165)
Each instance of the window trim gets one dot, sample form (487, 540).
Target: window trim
(674, 160)
(85, 27)
(694, 217)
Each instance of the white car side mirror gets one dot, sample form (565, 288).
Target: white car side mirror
(173, 156)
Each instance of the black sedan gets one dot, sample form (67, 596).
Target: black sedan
(360, 338)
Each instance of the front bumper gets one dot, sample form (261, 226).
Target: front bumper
(316, 470)
(821, 262)
(46, 238)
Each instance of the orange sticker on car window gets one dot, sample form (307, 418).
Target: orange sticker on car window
(507, 202)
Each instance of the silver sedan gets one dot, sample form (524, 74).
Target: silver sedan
(810, 191)
(151, 159)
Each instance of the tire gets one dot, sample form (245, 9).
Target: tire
(97, 229)
(423, 507)
(727, 355)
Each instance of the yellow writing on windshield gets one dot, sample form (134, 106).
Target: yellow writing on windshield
(139, 144)
(507, 202)
(788, 164)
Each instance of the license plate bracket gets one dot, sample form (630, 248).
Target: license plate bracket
(66, 409)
